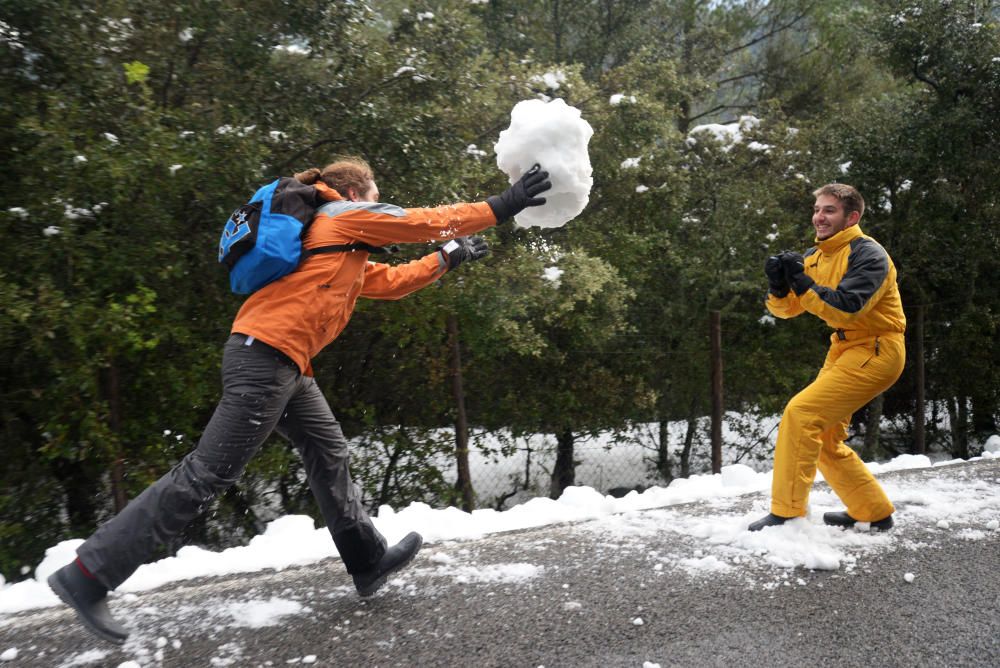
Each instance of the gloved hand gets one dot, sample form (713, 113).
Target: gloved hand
(464, 249)
(795, 272)
(522, 194)
(774, 269)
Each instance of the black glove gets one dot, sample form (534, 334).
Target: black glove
(795, 272)
(776, 282)
(464, 249)
(512, 201)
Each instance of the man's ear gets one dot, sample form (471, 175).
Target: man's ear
(352, 194)
(853, 218)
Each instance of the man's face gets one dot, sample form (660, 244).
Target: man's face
(369, 195)
(829, 217)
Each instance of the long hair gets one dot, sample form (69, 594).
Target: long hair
(344, 173)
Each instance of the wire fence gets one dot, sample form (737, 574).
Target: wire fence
(505, 470)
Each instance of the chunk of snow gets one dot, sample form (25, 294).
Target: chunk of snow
(552, 274)
(553, 135)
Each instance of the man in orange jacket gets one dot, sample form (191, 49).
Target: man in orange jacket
(268, 384)
(849, 281)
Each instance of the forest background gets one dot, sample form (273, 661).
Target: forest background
(131, 129)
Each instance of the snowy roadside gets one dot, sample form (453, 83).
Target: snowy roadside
(294, 541)
(626, 572)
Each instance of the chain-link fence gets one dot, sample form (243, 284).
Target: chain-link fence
(396, 467)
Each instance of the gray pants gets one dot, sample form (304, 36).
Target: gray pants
(263, 391)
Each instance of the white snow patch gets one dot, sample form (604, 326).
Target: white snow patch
(621, 98)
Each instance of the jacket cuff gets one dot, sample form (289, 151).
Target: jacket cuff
(779, 291)
(801, 283)
(500, 209)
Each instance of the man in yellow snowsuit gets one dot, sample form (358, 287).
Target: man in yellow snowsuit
(849, 281)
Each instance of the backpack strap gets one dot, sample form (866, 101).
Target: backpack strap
(351, 247)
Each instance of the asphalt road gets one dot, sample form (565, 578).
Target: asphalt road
(571, 595)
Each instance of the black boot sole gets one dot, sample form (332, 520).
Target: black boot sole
(375, 585)
(57, 586)
(844, 521)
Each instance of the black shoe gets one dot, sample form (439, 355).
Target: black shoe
(842, 519)
(769, 520)
(394, 559)
(89, 598)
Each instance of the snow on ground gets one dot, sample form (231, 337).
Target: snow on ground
(969, 507)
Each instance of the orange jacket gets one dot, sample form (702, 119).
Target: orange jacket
(304, 311)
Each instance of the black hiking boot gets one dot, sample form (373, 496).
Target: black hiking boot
(89, 598)
(394, 559)
(842, 519)
(769, 520)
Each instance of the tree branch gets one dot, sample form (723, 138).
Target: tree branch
(768, 35)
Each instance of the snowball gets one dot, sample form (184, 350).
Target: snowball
(993, 525)
(553, 135)
(943, 524)
(552, 274)
(9, 655)
(909, 577)
(637, 621)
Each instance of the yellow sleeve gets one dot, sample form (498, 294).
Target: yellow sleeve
(788, 306)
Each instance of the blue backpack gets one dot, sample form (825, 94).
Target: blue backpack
(262, 240)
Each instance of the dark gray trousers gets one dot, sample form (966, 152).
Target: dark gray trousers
(263, 391)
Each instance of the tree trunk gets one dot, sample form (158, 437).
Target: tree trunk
(564, 472)
(464, 482)
(984, 423)
(83, 487)
(919, 417)
(715, 334)
(663, 452)
(958, 412)
(692, 423)
(118, 463)
(390, 470)
(873, 428)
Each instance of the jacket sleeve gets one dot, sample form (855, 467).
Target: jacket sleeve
(788, 306)
(380, 224)
(384, 281)
(867, 278)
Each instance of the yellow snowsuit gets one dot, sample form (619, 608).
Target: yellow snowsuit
(855, 292)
